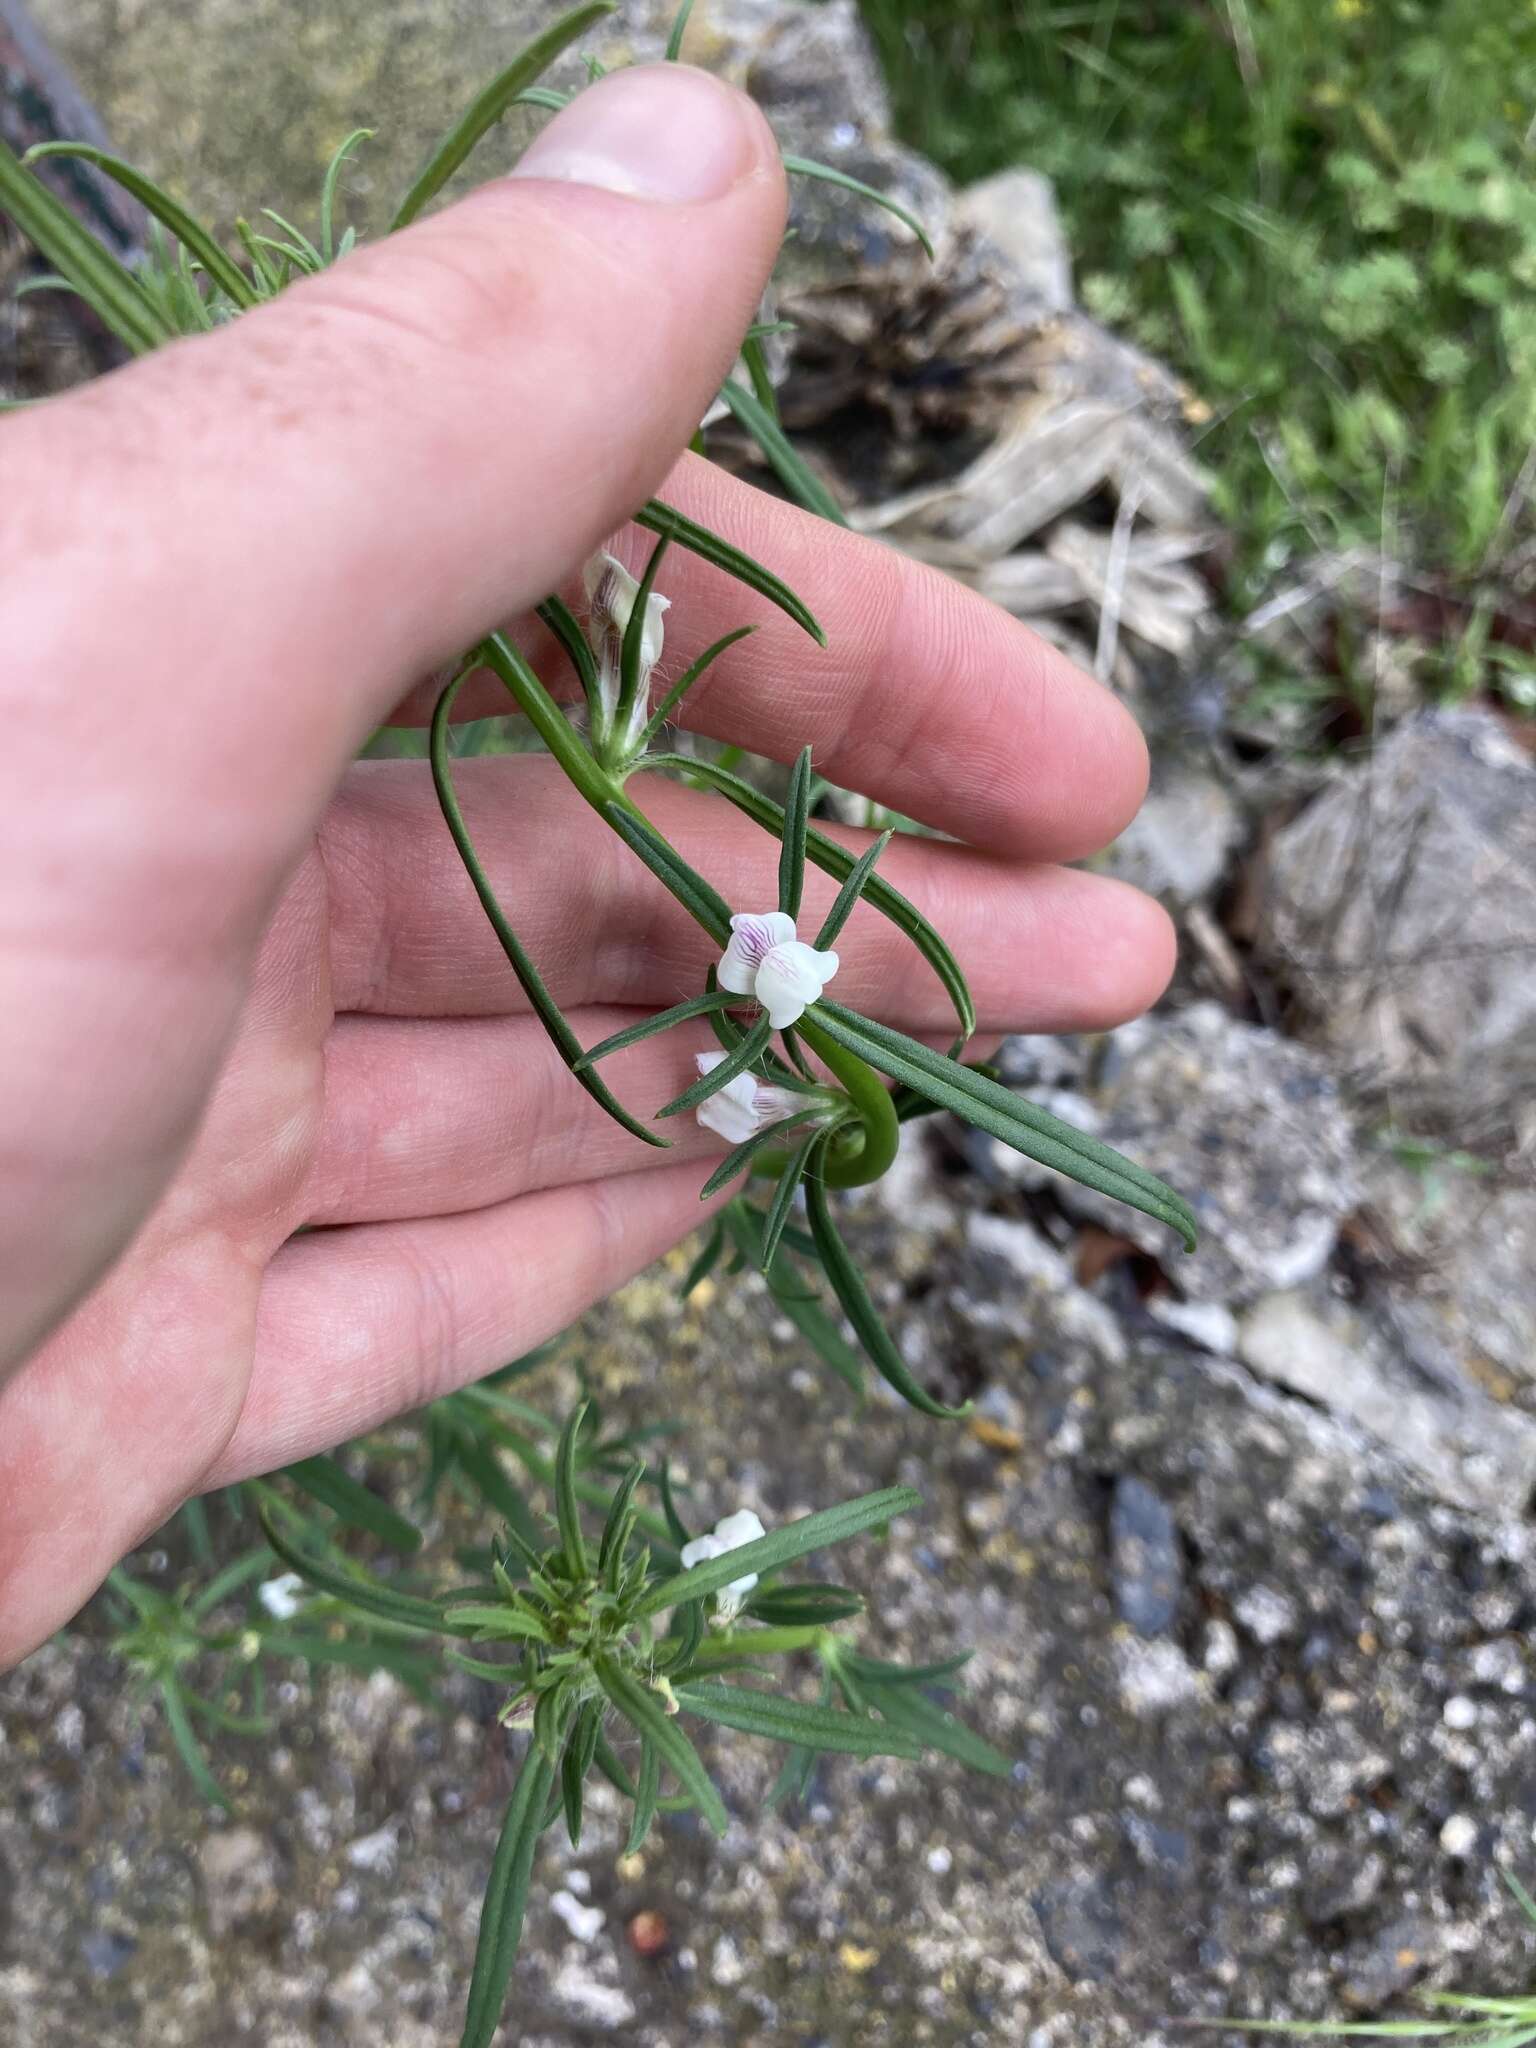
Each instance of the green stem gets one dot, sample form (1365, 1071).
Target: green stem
(871, 1098)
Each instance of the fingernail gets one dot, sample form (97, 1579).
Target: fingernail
(655, 131)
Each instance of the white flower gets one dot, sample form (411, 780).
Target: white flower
(766, 960)
(612, 591)
(742, 1527)
(283, 1596)
(745, 1105)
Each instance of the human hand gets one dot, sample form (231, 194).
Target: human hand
(245, 986)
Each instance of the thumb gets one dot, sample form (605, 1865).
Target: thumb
(221, 566)
(401, 452)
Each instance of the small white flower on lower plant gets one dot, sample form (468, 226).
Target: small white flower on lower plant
(765, 959)
(283, 1596)
(730, 1534)
(745, 1105)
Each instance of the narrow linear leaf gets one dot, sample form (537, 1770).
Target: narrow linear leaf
(489, 1623)
(797, 814)
(191, 233)
(481, 1667)
(755, 356)
(254, 1565)
(708, 1258)
(333, 171)
(567, 1511)
(702, 902)
(351, 1502)
(848, 1285)
(782, 1720)
(641, 1707)
(882, 1671)
(188, 1748)
(784, 458)
(676, 1526)
(488, 107)
(688, 678)
(506, 1896)
(680, 1013)
(574, 1765)
(614, 1528)
(719, 1077)
(766, 1553)
(853, 888)
(995, 1109)
(417, 1669)
(612, 1769)
(565, 626)
(741, 1158)
(646, 1794)
(834, 859)
(544, 96)
(780, 1208)
(480, 1466)
(634, 634)
(658, 517)
(807, 167)
(362, 1592)
(935, 1728)
(108, 286)
(812, 1606)
(797, 1301)
(541, 1001)
(679, 30)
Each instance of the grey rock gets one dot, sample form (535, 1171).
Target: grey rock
(1402, 908)
(1017, 212)
(1463, 1447)
(1146, 1569)
(1082, 1929)
(240, 1877)
(1248, 1127)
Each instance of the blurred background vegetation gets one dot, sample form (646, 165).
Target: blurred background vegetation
(1322, 213)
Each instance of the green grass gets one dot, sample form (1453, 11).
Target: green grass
(1322, 212)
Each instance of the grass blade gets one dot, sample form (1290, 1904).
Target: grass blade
(848, 1285)
(490, 104)
(92, 270)
(351, 1502)
(781, 1546)
(506, 1896)
(541, 1001)
(659, 517)
(807, 167)
(784, 459)
(782, 1720)
(193, 236)
(853, 888)
(642, 1708)
(797, 815)
(993, 1108)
